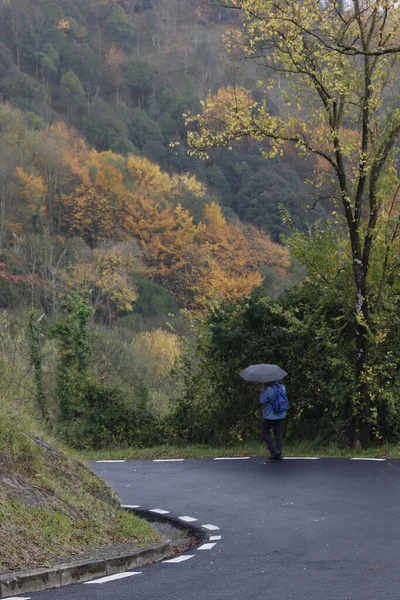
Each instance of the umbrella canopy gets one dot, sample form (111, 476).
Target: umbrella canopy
(263, 373)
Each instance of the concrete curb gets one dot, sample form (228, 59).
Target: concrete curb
(198, 532)
(36, 580)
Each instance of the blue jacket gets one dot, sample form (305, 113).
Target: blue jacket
(265, 401)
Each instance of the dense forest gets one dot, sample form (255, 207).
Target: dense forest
(142, 264)
(186, 190)
(100, 197)
(125, 73)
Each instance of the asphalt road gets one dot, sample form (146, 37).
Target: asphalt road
(300, 529)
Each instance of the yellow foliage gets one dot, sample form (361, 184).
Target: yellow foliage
(32, 188)
(64, 25)
(159, 349)
(188, 182)
(105, 198)
(98, 211)
(108, 275)
(148, 177)
(236, 253)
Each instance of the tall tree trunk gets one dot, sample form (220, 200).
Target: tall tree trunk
(2, 224)
(59, 212)
(50, 220)
(363, 406)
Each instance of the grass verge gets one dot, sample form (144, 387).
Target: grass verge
(53, 508)
(245, 449)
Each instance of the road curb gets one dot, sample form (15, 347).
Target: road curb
(198, 532)
(36, 580)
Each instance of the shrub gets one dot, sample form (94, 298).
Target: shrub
(309, 332)
(108, 416)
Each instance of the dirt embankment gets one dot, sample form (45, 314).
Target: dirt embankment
(53, 508)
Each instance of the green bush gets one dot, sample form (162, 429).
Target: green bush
(108, 416)
(153, 299)
(309, 332)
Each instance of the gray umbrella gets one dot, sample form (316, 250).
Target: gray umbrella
(263, 373)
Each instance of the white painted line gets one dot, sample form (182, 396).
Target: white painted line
(374, 459)
(159, 511)
(207, 546)
(179, 559)
(301, 458)
(114, 577)
(19, 598)
(210, 527)
(110, 461)
(130, 505)
(188, 519)
(168, 460)
(233, 458)
(215, 538)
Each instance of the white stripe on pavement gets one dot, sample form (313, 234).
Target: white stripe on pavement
(130, 505)
(188, 519)
(110, 461)
(114, 577)
(215, 538)
(374, 459)
(179, 559)
(159, 511)
(233, 458)
(168, 460)
(301, 458)
(19, 598)
(207, 546)
(210, 527)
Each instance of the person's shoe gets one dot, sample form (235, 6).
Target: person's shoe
(275, 457)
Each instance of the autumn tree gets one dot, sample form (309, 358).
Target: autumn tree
(32, 190)
(97, 208)
(108, 274)
(341, 62)
(11, 156)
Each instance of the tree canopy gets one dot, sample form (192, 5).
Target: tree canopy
(342, 62)
(124, 74)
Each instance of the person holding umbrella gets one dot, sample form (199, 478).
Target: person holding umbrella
(275, 403)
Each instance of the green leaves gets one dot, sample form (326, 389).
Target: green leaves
(35, 339)
(74, 339)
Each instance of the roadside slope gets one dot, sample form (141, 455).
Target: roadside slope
(53, 507)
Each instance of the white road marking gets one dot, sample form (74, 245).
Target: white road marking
(168, 460)
(375, 459)
(159, 511)
(233, 458)
(210, 527)
(114, 577)
(179, 559)
(207, 546)
(188, 519)
(301, 458)
(19, 598)
(215, 538)
(130, 505)
(110, 461)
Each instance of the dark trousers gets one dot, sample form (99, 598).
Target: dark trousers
(274, 446)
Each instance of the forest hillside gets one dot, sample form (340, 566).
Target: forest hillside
(124, 73)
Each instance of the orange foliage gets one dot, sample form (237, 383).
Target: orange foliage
(197, 262)
(103, 197)
(97, 212)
